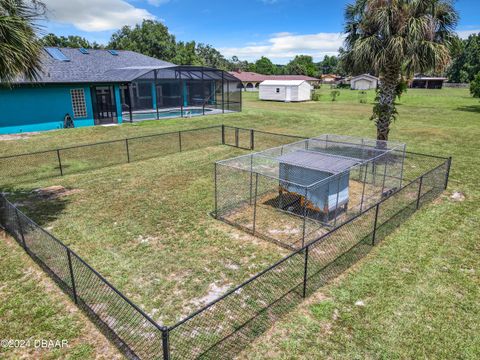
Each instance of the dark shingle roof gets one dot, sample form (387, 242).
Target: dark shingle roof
(96, 66)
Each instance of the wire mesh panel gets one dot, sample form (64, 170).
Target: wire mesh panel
(93, 156)
(330, 248)
(201, 138)
(29, 167)
(138, 335)
(433, 183)
(147, 147)
(235, 190)
(265, 140)
(226, 326)
(45, 248)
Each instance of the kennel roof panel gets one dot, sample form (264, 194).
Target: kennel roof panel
(333, 164)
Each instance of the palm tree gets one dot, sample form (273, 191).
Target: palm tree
(395, 39)
(19, 46)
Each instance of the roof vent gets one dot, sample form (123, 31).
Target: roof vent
(57, 54)
(113, 52)
(83, 51)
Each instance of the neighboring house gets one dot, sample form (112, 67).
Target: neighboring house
(330, 78)
(364, 82)
(251, 80)
(97, 87)
(285, 90)
(427, 82)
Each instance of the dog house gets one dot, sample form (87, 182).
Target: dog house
(299, 169)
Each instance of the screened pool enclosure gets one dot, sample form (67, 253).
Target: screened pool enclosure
(294, 193)
(177, 91)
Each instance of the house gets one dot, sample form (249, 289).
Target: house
(427, 82)
(84, 87)
(251, 80)
(285, 90)
(364, 82)
(330, 78)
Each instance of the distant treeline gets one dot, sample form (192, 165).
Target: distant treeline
(153, 38)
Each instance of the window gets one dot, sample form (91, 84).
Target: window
(56, 54)
(277, 90)
(78, 103)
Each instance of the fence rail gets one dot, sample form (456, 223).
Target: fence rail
(226, 325)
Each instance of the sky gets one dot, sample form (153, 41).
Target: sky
(249, 29)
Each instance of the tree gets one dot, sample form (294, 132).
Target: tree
(466, 59)
(328, 65)
(186, 54)
(211, 57)
(302, 65)
(265, 66)
(19, 46)
(475, 86)
(151, 38)
(72, 41)
(396, 38)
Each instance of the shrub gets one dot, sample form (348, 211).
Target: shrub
(334, 94)
(475, 86)
(316, 96)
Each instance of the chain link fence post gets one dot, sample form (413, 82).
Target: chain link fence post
(223, 134)
(59, 162)
(255, 203)
(165, 343)
(447, 175)
(180, 140)
(216, 191)
(252, 139)
(305, 273)
(128, 151)
(419, 192)
(374, 235)
(304, 217)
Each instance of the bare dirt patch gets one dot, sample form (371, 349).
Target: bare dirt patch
(54, 192)
(16, 136)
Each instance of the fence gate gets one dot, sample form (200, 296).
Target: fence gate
(237, 137)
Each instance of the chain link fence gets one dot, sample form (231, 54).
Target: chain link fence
(228, 324)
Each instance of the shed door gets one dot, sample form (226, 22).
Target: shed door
(288, 93)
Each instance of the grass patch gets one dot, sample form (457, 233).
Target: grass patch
(146, 227)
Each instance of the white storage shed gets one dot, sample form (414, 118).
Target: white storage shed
(364, 82)
(285, 90)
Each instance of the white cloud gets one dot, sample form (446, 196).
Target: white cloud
(464, 34)
(95, 15)
(283, 46)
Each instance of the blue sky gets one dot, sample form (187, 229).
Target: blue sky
(249, 29)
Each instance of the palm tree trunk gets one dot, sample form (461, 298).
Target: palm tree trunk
(386, 103)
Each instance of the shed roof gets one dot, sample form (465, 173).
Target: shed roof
(364, 76)
(282, 82)
(333, 164)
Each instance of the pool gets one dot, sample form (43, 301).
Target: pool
(166, 114)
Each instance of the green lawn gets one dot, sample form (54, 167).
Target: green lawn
(146, 227)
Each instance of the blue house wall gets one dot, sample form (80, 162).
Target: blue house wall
(39, 108)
